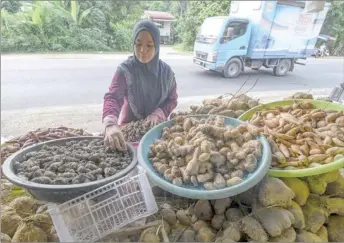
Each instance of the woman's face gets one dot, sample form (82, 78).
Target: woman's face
(144, 46)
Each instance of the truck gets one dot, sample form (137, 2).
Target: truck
(270, 34)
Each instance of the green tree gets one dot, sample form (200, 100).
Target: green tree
(333, 26)
(196, 13)
(12, 6)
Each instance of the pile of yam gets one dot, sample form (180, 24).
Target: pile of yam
(300, 135)
(276, 210)
(233, 106)
(24, 220)
(134, 131)
(205, 153)
(37, 136)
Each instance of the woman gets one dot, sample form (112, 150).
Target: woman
(143, 87)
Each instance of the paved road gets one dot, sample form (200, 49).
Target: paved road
(46, 82)
(48, 91)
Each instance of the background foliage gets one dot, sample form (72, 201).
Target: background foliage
(43, 26)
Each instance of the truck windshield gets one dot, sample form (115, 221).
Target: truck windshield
(211, 27)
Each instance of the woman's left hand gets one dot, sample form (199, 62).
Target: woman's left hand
(152, 119)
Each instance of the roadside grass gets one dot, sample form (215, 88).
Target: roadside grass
(182, 48)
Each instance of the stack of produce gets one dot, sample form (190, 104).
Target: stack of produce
(205, 153)
(300, 95)
(39, 135)
(303, 95)
(22, 220)
(72, 163)
(300, 135)
(232, 107)
(288, 210)
(134, 131)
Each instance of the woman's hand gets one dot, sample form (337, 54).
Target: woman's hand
(152, 119)
(114, 138)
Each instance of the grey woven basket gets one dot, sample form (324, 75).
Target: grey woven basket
(59, 193)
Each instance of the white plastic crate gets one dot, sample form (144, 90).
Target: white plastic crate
(98, 213)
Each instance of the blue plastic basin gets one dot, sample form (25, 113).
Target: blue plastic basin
(250, 179)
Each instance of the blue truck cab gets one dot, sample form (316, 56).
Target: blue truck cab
(273, 34)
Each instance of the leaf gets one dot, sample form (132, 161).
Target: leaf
(75, 10)
(83, 15)
(10, 191)
(36, 16)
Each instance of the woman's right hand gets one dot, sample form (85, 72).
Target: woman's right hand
(114, 138)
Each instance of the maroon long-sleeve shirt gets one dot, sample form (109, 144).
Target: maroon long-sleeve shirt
(116, 108)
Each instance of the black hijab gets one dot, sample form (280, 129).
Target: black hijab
(148, 84)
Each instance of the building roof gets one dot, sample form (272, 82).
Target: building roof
(159, 15)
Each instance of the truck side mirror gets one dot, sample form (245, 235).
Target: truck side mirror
(222, 39)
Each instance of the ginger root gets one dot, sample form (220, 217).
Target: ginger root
(193, 165)
(205, 153)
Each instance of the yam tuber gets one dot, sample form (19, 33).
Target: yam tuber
(300, 189)
(296, 210)
(336, 228)
(336, 188)
(323, 234)
(10, 221)
(5, 238)
(315, 213)
(274, 192)
(306, 236)
(318, 183)
(217, 221)
(232, 232)
(183, 217)
(220, 205)
(203, 210)
(335, 205)
(234, 214)
(24, 206)
(149, 235)
(28, 232)
(169, 215)
(43, 221)
(188, 236)
(199, 224)
(288, 235)
(205, 235)
(253, 229)
(274, 220)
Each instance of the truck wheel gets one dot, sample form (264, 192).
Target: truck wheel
(233, 68)
(282, 67)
